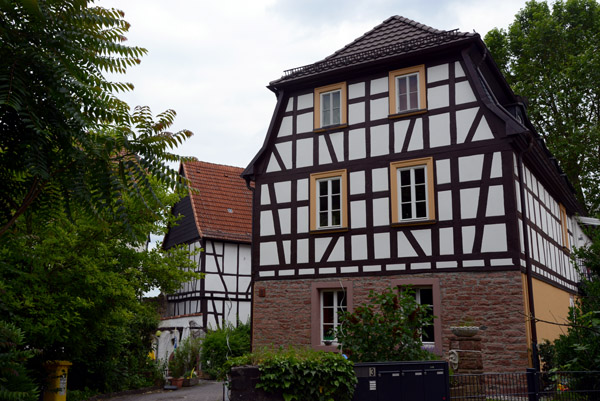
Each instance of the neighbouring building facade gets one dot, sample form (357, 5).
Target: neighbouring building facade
(405, 159)
(216, 223)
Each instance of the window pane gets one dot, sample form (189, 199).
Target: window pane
(335, 186)
(405, 194)
(413, 83)
(328, 332)
(323, 220)
(328, 315)
(421, 209)
(427, 332)
(327, 299)
(323, 204)
(419, 175)
(336, 99)
(323, 188)
(406, 211)
(326, 117)
(420, 192)
(341, 299)
(405, 177)
(336, 219)
(426, 296)
(335, 202)
(326, 101)
(401, 82)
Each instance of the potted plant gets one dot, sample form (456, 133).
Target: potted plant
(176, 368)
(466, 328)
(184, 361)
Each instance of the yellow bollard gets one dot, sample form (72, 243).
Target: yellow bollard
(56, 385)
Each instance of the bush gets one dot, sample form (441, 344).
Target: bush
(303, 374)
(387, 328)
(222, 344)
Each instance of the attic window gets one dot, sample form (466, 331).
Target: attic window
(330, 106)
(229, 210)
(408, 94)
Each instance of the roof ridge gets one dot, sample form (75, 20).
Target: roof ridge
(212, 164)
(409, 21)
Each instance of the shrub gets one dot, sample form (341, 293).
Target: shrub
(303, 374)
(387, 328)
(222, 344)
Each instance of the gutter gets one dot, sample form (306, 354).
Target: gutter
(528, 271)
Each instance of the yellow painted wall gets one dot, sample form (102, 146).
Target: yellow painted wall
(552, 305)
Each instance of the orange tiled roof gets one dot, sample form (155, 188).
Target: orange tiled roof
(222, 203)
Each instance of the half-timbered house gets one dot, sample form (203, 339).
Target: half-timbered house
(405, 159)
(216, 223)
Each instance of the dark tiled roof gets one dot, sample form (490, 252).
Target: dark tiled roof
(222, 203)
(394, 36)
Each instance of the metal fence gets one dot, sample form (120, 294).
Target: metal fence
(526, 386)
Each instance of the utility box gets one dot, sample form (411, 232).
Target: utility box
(402, 381)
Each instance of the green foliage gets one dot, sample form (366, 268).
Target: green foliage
(387, 328)
(303, 374)
(579, 349)
(549, 55)
(75, 288)
(222, 344)
(65, 138)
(15, 381)
(186, 358)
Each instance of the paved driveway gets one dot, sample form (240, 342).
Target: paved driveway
(204, 391)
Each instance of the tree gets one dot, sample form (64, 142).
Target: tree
(551, 55)
(75, 288)
(387, 328)
(65, 138)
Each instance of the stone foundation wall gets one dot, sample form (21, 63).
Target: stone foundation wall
(282, 315)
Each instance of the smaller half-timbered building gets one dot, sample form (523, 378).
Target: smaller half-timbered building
(215, 218)
(404, 158)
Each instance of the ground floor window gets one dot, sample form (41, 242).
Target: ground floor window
(424, 296)
(427, 292)
(328, 300)
(332, 304)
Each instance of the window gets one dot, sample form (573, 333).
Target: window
(564, 226)
(330, 105)
(408, 93)
(328, 299)
(427, 292)
(412, 197)
(328, 200)
(333, 302)
(424, 296)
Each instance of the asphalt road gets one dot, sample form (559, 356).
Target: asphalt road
(204, 391)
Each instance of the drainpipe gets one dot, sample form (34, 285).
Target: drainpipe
(532, 324)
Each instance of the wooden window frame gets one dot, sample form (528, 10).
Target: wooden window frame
(314, 178)
(434, 284)
(342, 87)
(315, 318)
(394, 167)
(564, 226)
(393, 90)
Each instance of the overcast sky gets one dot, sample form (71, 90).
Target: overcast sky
(210, 61)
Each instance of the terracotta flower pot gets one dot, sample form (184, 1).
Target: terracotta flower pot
(176, 381)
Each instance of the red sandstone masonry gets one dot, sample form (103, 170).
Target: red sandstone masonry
(493, 299)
